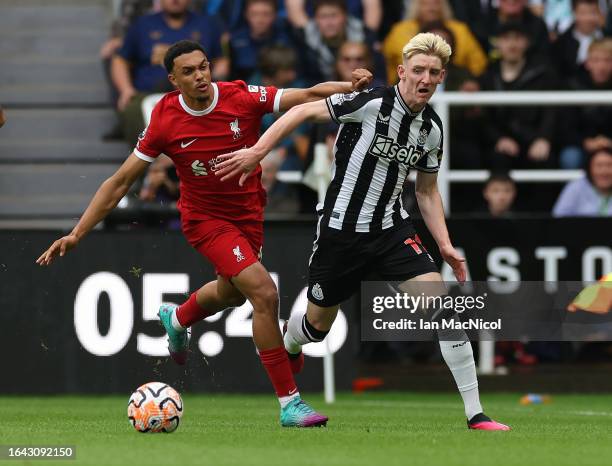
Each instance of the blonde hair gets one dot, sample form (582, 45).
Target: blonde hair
(604, 44)
(413, 11)
(428, 44)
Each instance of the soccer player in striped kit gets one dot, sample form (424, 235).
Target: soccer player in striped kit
(363, 227)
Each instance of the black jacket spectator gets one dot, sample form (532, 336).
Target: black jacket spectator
(586, 121)
(533, 25)
(523, 124)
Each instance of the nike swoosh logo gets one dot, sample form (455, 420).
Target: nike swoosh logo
(291, 392)
(185, 144)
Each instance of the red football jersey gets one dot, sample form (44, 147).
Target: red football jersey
(194, 139)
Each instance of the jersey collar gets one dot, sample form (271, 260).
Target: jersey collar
(207, 110)
(404, 104)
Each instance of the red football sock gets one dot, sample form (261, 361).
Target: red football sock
(278, 368)
(191, 312)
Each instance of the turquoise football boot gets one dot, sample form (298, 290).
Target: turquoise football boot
(298, 414)
(178, 341)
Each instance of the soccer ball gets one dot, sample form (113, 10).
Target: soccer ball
(155, 407)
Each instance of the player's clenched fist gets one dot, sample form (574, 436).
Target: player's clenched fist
(60, 246)
(361, 79)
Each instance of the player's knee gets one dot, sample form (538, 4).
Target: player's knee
(231, 297)
(265, 300)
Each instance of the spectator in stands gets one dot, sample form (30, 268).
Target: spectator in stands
(467, 52)
(2, 117)
(518, 136)
(590, 196)
(129, 11)
(161, 182)
(137, 69)
(466, 122)
(263, 29)
(277, 66)
(557, 14)
(320, 38)
(571, 48)
(588, 128)
(369, 11)
(516, 11)
(158, 194)
(499, 193)
(353, 55)
(231, 12)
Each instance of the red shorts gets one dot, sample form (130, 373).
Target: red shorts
(231, 247)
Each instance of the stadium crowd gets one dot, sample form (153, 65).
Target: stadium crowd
(498, 45)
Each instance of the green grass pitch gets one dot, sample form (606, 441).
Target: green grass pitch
(378, 429)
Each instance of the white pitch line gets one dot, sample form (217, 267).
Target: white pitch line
(414, 404)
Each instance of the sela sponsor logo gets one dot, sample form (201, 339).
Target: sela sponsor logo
(386, 148)
(238, 253)
(187, 144)
(199, 168)
(234, 126)
(317, 292)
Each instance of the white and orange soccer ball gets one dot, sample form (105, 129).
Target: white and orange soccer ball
(155, 407)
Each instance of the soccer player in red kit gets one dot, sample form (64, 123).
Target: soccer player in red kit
(222, 220)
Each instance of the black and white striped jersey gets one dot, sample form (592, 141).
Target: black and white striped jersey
(378, 142)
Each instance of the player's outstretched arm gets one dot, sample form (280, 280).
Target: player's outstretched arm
(106, 198)
(430, 204)
(361, 79)
(243, 162)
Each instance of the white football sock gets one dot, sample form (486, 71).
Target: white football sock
(459, 358)
(176, 325)
(284, 400)
(295, 337)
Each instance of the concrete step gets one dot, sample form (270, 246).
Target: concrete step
(38, 224)
(44, 72)
(70, 135)
(50, 51)
(51, 206)
(62, 150)
(52, 16)
(49, 189)
(86, 124)
(54, 94)
(28, 45)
